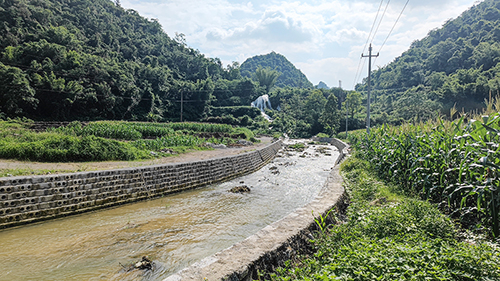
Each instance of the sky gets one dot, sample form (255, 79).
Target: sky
(324, 39)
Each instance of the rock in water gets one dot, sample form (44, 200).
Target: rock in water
(240, 189)
(145, 263)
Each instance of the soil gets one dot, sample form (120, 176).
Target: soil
(26, 168)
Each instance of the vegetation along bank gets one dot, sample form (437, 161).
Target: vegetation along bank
(424, 205)
(113, 140)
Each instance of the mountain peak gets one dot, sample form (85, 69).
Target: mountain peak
(290, 75)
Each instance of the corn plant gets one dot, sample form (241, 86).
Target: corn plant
(455, 164)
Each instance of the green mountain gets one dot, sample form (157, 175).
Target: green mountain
(458, 64)
(290, 75)
(322, 85)
(92, 59)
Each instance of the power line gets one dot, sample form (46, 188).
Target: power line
(404, 7)
(358, 72)
(373, 25)
(381, 18)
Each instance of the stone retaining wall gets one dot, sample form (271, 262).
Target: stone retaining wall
(30, 199)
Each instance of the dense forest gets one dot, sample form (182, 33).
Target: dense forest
(67, 60)
(456, 65)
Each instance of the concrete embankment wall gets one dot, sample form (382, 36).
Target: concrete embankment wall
(272, 246)
(30, 199)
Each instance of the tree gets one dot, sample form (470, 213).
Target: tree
(233, 71)
(266, 77)
(353, 103)
(415, 104)
(330, 118)
(313, 108)
(16, 95)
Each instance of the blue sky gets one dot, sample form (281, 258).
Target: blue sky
(324, 39)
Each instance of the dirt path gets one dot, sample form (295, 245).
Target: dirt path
(17, 168)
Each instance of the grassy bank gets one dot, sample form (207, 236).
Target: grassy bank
(389, 235)
(111, 140)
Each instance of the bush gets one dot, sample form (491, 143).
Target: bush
(322, 135)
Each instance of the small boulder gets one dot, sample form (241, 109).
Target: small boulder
(240, 189)
(144, 263)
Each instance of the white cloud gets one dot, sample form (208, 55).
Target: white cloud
(274, 26)
(323, 38)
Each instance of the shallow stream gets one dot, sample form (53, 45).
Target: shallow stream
(174, 231)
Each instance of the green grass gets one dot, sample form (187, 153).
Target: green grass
(400, 238)
(297, 146)
(28, 171)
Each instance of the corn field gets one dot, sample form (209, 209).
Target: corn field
(454, 164)
(139, 130)
(110, 140)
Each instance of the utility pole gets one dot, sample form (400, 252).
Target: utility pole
(346, 115)
(346, 104)
(370, 56)
(182, 101)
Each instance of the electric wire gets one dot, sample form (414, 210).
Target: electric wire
(358, 72)
(373, 25)
(390, 32)
(381, 18)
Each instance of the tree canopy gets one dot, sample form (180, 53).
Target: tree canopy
(95, 60)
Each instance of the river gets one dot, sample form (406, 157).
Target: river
(174, 231)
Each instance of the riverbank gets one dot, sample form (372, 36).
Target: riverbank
(173, 231)
(29, 199)
(23, 168)
(390, 236)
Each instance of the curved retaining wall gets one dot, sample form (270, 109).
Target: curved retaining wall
(278, 242)
(30, 199)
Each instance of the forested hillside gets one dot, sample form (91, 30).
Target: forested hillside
(456, 64)
(92, 60)
(290, 75)
(82, 59)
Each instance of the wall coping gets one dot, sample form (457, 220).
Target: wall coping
(278, 242)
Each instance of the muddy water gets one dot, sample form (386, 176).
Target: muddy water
(174, 231)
